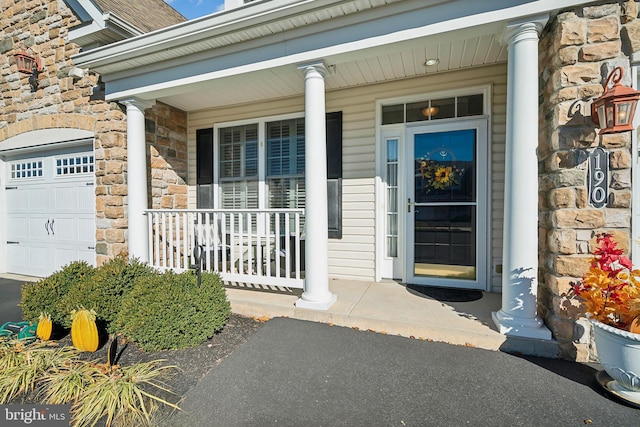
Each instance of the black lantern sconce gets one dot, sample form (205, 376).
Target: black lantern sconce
(29, 63)
(613, 111)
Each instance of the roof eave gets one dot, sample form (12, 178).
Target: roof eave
(224, 22)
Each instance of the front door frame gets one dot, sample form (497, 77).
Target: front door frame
(480, 124)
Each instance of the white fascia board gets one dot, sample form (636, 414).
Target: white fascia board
(102, 21)
(122, 25)
(221, 23)
(95, 23)
(84, 9)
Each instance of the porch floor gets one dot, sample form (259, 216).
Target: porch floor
(393, 308)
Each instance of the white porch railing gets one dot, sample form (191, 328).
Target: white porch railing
(247, 246)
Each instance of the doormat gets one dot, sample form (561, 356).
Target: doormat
(445, 294)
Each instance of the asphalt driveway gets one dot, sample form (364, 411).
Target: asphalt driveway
(298, 373)
(9, 300)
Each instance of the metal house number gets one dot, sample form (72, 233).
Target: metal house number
(598, 177)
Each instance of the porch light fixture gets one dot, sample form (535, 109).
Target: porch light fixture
(431, 62)
(613, 111)
(29, 63)
(430, 111)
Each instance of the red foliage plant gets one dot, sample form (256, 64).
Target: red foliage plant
(610, 290)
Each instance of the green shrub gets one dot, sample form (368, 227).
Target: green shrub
(46, 294)
(170, 311)
(103, 292)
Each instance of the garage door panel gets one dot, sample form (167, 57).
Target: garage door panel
(87, 228)
(74, 230)
(39, 228)
(17, 228)
(24, 260)
(65, 255)
(39, 199)
(50, 211)
(77, 197)
(86, 198)
(17, 199)
(18, 255)
(87, 255)
(28, 199)
(40, 260)
(21, 258)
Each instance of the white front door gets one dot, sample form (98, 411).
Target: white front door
(447, 206)
(50, 210)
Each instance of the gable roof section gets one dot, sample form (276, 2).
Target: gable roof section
(107, 21)
(147, 15)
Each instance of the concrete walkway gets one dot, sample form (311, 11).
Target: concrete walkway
(455, 317)
(391, 308)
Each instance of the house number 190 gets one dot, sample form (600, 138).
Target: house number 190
(598, 177)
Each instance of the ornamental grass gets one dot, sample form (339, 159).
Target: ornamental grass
(23, 362)
(117, 395)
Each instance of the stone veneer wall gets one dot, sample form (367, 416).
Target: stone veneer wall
(62, 102)
(577, 52)
(166, 135)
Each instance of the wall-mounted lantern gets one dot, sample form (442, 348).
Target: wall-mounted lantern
(29, 63)
(614, 110)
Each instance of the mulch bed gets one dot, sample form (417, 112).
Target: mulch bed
(192, 364)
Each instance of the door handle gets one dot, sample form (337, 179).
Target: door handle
(49, 227)
(409, 205)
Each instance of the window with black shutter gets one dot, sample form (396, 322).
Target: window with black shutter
(284, 165)
(204, 166)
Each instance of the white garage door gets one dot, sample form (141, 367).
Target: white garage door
(50, 211)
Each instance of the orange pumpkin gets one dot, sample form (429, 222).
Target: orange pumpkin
(634, 327)
(43, 331)
(84, 332)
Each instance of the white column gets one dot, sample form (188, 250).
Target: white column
(138, 231)
(518, 315)
(316, 293)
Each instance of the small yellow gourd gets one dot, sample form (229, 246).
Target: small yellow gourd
(43, 331)
(84, 332)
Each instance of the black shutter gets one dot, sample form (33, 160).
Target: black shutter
(204, 166)
(334, 173)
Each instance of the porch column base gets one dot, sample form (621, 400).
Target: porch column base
(313, 304)
(520, 326)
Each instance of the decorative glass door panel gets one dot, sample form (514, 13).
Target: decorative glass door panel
(444, 193)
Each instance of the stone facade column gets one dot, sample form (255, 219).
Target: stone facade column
(138, 238)
(316, 293)
(518, 315)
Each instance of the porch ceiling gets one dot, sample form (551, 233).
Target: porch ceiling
(251, 54)
(400, 61)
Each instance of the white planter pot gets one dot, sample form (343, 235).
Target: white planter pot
(619, 354)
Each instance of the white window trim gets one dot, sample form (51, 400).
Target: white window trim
(262, 170)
